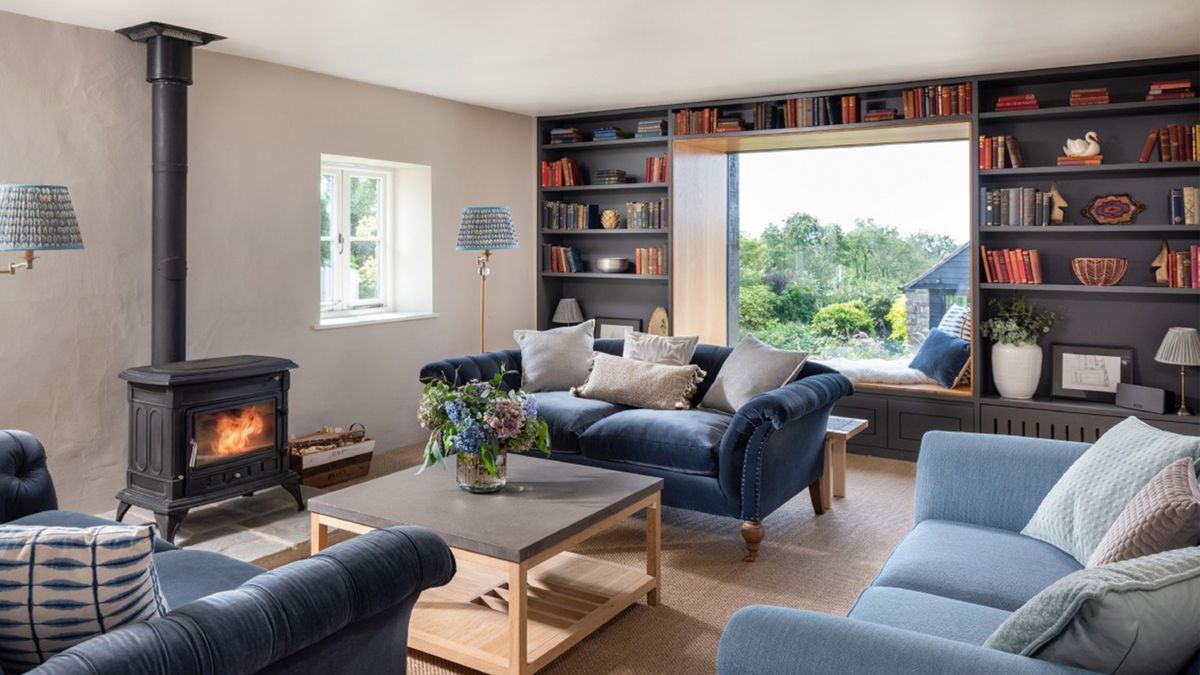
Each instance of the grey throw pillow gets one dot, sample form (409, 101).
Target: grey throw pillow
(753, 368)
(557, 359)
(1129, 617)
(671, 351)
(640, 384)
(1085, 502)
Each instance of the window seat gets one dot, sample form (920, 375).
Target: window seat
(893, 375)
(961, 391)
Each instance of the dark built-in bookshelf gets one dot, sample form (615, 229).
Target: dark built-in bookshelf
(1135, 313)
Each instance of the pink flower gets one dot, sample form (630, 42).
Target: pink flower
(507, 418)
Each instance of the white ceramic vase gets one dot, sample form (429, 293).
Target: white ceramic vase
(1016, 369)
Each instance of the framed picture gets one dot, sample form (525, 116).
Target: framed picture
(609, 327)
(1090, 373)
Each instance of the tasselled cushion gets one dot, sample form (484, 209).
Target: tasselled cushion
(640, 384)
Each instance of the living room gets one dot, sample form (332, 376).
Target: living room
(509, 338)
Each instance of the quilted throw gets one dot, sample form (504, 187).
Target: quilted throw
(60, 586)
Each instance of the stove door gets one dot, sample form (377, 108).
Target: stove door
(232, 432)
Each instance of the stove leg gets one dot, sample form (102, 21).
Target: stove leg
(169, 522)
(122, 509)
(292, 485)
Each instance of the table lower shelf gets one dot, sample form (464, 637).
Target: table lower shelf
(569, 597)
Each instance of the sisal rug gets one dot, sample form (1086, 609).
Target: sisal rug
(807, 562)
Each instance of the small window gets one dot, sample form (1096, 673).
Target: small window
(374, 231)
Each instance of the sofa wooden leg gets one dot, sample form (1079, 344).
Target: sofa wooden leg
(752, 532)
(814, 491)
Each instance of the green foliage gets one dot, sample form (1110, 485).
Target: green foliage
(755, 307)
(897, 320)
(843, 320)
(795, 303)
(1016, 322)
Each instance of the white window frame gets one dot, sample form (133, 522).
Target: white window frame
(341, 240)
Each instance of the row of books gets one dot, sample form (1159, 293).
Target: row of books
(1170, 89)
(1183, 206)
(938, 100)
(656, 169)
(1012, 207)
(651, 129)
(564, 172)
(1090, 96)
(1011, 265)
(650, 260)
(1176, 143)
(1016, 102)
(646, 215)
(697, 121)
(1183, 268)
(999, 152)
(610, 177)
(567, 216)
(564, 135)
(562, 259)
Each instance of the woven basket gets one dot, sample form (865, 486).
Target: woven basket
(1099, 271)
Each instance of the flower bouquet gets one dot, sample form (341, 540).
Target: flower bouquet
(479, 422)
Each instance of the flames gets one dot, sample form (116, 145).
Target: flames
(236, 429)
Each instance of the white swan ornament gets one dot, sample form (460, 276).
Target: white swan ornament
(1088, 146)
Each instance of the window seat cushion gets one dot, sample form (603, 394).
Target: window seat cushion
(879, 371)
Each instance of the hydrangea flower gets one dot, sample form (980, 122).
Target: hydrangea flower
(468, 439)
(529, 407)
(456, 411)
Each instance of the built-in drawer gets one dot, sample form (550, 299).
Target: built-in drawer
(909, 419)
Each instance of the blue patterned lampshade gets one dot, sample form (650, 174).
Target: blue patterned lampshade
(37, 218)
(486, 228)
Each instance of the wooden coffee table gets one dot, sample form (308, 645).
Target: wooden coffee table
(838, 431)
(519, 599)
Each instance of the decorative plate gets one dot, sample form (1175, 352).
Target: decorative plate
(1113, 209)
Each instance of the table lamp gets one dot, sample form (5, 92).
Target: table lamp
(36, 218)
(1180, 347)
(487, 229)
(567, 312)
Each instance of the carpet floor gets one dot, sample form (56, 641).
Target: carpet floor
(807, 562)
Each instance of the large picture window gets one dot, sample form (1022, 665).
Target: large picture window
(853, 252)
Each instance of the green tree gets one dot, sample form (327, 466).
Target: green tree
(843, 320)
(796, 303)
(755, 308)
(752, 261)
(897, 319)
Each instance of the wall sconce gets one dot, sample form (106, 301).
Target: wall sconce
(36, 218)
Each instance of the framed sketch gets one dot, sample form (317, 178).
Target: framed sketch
(609, 327)
(1090, 373)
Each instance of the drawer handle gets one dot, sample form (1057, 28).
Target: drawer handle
(237, 475)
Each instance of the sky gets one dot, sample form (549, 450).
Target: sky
(914, 186)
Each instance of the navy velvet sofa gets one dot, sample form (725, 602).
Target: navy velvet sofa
(343, 610)
(959, 573)
(743, 466)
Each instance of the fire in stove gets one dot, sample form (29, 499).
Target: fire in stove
(236, 431)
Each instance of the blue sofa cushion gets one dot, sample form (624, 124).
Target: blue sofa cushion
(190, 575)
(928, 614)
(76, 519)
(683, 441)
(569, 416)
(973, 563)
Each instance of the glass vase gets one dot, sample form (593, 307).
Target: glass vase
(473, 475)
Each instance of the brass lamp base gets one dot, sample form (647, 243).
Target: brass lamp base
(484, 271)
(27, 264)
(1183, 409)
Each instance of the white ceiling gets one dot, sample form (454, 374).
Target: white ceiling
(552, 56)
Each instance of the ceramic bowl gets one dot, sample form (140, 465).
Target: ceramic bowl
(612, 265)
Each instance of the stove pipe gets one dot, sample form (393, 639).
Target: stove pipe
(169, 72)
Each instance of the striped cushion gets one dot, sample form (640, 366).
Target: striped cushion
(60, 586)
(957, 322)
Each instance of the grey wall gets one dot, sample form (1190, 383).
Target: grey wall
(75, 110)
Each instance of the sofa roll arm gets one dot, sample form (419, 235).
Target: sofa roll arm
(761, 640)
(482, 367)
(273, 615)
(25, 484)
(988, 479)
(791, 401)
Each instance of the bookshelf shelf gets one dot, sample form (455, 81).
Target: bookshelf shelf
(624, 276)
(608, 233)
(1060, 405)
(1080, 288)
(1105, 110)
(607, 188)
(1116, 170)
(602, 145)
(1034, 230)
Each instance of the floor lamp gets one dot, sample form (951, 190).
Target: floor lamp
(36, 218)
(487, 229)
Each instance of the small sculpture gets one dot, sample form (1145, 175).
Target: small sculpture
(1088, 146)
(1159, 264)
(610, 219)
(1057, 204)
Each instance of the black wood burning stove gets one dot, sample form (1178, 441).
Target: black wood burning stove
(205, 430)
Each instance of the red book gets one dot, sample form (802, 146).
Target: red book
(1148, 148)
(987, 264)
(1027, 269)
(1195, 251)
(987, 152)
(1000, 267)
(1189, 149)
(1171, 84)
(1171, 269)
(1176, 144)
(944, 107)
(1171, 95)
(981, 153)
(969, 105)
(1019, 263)
(1017, 97)
(1037, 266)
(1164, 145)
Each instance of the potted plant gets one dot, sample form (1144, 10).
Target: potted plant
(1016, 358)
(479, 422)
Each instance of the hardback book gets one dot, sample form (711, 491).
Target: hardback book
(1176, 206)
(1014, 151)
(1190, 199)
(1080, 161)
(1148, 148)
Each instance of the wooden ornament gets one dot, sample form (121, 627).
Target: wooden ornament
(659, 323)
(1057, 204)
(1160, 264)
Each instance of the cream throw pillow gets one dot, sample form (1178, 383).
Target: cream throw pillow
(557, 359)
(670, 351)
(640, 384)
(753, 368)
(1163, 516)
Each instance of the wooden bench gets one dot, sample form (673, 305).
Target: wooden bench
(837, 433)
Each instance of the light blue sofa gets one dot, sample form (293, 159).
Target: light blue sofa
(958, 574)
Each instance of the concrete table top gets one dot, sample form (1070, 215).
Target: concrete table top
(544, 503)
